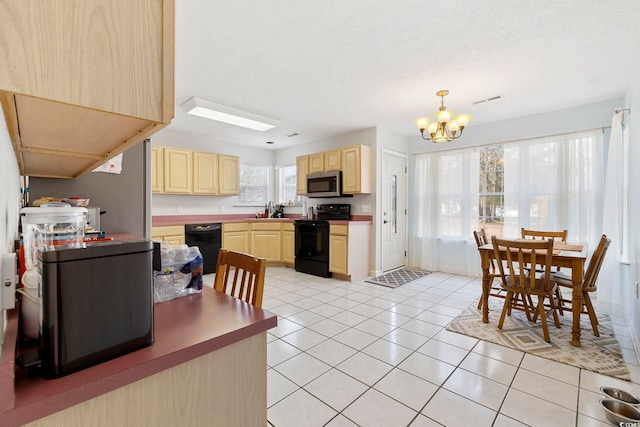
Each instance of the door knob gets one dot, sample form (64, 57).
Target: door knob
(385, 221)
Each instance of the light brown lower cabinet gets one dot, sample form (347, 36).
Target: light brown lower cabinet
(235, 237)
(288, 243)
(266, 240)
(349, 249)
(172, 234)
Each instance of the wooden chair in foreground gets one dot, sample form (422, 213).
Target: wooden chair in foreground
(512, 266)
(588, 285)
(240, 275)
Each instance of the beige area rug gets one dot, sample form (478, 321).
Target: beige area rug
(598, 354)
(398, 277)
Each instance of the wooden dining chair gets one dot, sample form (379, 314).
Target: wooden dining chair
(539, 235)
(589, 284)
(497, 290)
(511, 265)
(240, 275)
(494, 291)
(560, 236)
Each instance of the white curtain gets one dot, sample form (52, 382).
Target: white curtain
(446, 183)
(550, 183)
(610, 295)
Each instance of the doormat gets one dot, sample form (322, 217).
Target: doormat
(399, 277)
(598, 354)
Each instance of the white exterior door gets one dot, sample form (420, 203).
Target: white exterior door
(394, 210)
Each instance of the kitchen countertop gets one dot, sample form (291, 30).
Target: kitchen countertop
(185, 328)
(163, 220)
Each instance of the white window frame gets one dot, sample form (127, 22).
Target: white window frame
(268, 186)
(281, 184)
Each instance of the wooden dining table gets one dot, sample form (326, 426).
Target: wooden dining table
(565, 255)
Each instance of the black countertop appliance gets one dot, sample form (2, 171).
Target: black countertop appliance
(97, 303)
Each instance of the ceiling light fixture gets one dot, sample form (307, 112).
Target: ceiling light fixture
(444, 129)
(223, 113)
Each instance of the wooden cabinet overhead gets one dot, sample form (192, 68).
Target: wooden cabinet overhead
(178, 171)
(83, 80)
(302, 169)
(193, 172)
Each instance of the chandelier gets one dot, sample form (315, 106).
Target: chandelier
(444, 129)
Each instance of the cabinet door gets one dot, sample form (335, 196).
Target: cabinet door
(267, 244)
(288, 247)
(236, 241)
(332, 160)
(205, 173)
(157, 169)
(356, 170)
(174, 240)
(302, 169)
(177, 171)
(114, 56)
(229, 167)
(172, 234)
(338, 254)
(316, 162)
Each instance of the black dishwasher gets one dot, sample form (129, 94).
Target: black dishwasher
(208, 238)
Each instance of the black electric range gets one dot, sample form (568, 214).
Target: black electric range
(312, 239)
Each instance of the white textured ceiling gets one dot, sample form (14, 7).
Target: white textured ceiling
(328, 67)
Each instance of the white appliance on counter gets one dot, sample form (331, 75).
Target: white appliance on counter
(93, 218)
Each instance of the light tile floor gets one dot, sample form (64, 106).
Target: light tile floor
(359, 354)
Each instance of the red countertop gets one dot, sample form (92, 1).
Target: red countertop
(184, 328)
(163, 220)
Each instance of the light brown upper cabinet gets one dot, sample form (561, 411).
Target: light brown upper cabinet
(178, 175)
(205, 173)
(229, 167)
(332, 160)
(356, 170)
(302, 169)
(83, 80)
(193, 172)
(325, 161)
(316, 163)
(157, 169)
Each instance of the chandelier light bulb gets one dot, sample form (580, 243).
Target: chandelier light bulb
(444, 115)
(432, 128)
(463, 119)
(422, 122)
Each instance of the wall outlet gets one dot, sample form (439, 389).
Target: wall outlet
(221, 209)
(180, 209)
(365, 208)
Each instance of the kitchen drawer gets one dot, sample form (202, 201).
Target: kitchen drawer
(235, 226)
(169, 230)
(266, 226)
(288, 226)
(340, 230)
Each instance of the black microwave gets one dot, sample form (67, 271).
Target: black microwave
(324, 184)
